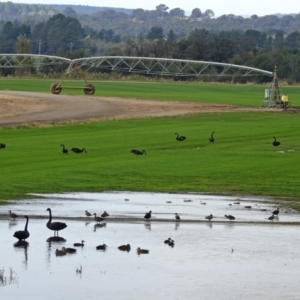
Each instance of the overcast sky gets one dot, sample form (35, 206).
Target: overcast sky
(219, 7)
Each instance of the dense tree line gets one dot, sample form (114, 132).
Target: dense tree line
(65, 36)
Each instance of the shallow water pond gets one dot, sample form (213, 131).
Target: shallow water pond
(216, 259)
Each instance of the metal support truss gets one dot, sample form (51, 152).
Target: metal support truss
(273, 96)
(139, 65)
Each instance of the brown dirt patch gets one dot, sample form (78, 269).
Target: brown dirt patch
(39, 108)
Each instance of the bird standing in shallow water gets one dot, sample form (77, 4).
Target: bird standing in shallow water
(88, 214)
(55, 226)
(64, 149)
(22, 235)
(275, 143)
(138, 152)
(77, 150)
(105, 214)
(180, 138)
(276, 212)
(2, 146)
(271, 218)
(148, 215)
(210, 217)
(212, 139)
(177, 216)
(12, 215)
(230, 217)
(98, 219)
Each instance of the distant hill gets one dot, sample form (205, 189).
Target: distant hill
(85, 9)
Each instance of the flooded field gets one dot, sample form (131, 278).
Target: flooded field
(250, 257)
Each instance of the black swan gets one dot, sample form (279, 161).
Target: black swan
(210, 217)
(64, 150)
(98, 219)
(212, 139)
(138, 152)
(230, 217)
(105, 214)
(79, 244)
(180, 138)
(275, 143)
(125, 248)
(2, 146)
(55, 226)
(177, 216)
(22, 235)
(77, 150)
(142, 251)
(13, 215)
(101, 247)
(148, 215)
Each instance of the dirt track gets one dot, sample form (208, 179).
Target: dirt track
(40, 108)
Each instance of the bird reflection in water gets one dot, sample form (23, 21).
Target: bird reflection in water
(177, 224)
(12, 224)
(24, 245)
(99, 225)
(57, 239)
(147, 226)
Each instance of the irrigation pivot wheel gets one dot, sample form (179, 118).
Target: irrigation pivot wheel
(55, 88)
(89, 89)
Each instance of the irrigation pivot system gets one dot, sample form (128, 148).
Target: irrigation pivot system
(140, 65)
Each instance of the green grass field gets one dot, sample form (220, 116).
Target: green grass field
(241, 161)
(242, 95)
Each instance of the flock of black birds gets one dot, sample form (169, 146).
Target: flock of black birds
(181, 138)
(22, 235)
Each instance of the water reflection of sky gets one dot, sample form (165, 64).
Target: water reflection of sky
(210, 260)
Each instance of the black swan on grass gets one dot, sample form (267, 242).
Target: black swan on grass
(180, 138)
(275, 143)
(138, 152)
(212, 139)
(77, 150)
(64, 149)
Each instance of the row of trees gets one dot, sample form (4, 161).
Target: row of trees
(64, 36)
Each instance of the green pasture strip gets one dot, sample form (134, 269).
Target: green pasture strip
(242, 160)
(241, 95)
